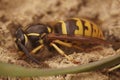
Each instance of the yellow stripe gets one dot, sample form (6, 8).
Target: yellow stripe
(49, 29)
(26, 39)
(41, 41)
(43, 34)
(95, 31)
(101, 33)
(33, 34)
(88, 25)
(64, 30)
(37, 48)
(79, 25)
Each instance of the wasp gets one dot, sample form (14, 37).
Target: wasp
(72, 33)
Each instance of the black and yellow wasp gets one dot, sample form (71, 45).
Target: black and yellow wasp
(72, 33)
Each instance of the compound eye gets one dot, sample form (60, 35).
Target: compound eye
(20, 35)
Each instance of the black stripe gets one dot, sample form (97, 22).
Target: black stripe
(91, 30)
(58, 28)
(71, 26)
(98, 33)
(84, 27)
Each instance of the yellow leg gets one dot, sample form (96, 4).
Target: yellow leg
(63, 43)
(68, 44)
(61, 52)
(36, 49)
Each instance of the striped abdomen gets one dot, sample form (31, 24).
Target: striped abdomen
(76, 26)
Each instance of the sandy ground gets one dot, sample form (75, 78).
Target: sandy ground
(105, 13)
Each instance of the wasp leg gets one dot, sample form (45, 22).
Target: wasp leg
(37, 48)
(62, 52)
(67, 44)
(63, 43)
(24, 49)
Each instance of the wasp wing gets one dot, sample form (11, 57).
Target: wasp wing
(77, 38)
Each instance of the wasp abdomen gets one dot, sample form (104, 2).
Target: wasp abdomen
(76, 26)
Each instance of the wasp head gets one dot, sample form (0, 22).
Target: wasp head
(20, 36)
